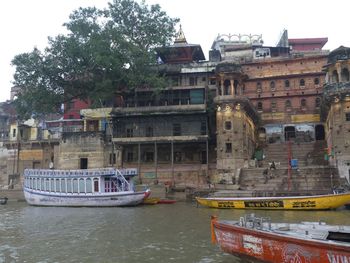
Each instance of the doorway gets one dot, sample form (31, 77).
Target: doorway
(289, 133)
(319, 132)
(83, 163)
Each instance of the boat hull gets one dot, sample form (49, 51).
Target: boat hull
(78, 200)
(320, 202)
(269, 247)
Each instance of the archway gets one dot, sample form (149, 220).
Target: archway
(319, 132)
(289, 133)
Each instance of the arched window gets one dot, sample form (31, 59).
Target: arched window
(227, 86)
(316, 81)
(258, 87)
(302, 83)
(335, 78)
(303, 103)
(345, 74)
(273, 105)
(317, 102)
(259, 106)
(288, 104)
(272, 85)
(286, 83)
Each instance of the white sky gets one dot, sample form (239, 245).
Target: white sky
(25, 24)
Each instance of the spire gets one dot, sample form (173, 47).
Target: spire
(180, 37)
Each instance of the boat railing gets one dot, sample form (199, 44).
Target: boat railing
(124, 184)
(80, 172)
(252, 221)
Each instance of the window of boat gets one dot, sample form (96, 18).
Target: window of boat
(69, 185)
(41, 184)
(57, 185)
(88, 185)
(47, 184)
(63, 186)
(81, 185)
(108, 185)
(96, 189)
(52, 185)
(30, 183)
(75, 185)
(35, 183)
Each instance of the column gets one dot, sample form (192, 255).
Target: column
(232, 88)
(156, 159)
(139, 162)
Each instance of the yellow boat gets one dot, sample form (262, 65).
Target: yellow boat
(151, 200)
(315, 202)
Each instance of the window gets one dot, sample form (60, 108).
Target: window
(193, 81)
(288, 104)
(316, 81)
(175, 81)
(96, 188)
(345, 75)
(177, 157)
(228, 125)
(203, 127)
(14, 131)
(272, 85)
(303, 103)
(149, 132)
(302, 83)
(347, 116)
(273, 105)
(212, 81)
(286, 83)
(176, 129)
(112, 158)
(130, 157)
(335, 78)
(129, 133)
(258, 87)
(260, 106)
(228, 147)
(149, 156)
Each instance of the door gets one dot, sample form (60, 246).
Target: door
(83, 163)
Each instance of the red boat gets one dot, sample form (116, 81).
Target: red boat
(305, 242)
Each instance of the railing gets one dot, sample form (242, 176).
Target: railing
(80, 172)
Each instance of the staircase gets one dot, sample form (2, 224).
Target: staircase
(312, 176)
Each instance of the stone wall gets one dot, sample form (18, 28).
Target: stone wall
(76, 147)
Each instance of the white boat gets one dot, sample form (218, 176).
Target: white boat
(88, 187)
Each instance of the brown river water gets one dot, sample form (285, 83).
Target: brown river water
(155, 233)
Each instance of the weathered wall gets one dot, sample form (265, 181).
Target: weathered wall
(75, 146)
(338, 137)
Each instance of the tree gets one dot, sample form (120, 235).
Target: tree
(105, 52)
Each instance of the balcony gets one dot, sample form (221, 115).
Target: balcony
(339, 90)
(160, 139)
(157, 110)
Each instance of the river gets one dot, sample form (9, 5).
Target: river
(155, 233)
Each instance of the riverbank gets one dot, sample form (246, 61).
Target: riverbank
(13, 195)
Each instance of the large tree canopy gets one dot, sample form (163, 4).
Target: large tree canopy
(105, 52)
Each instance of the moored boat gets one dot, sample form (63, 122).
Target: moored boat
(151, 200)
(3, 200)
(88, 187)
(314, 202)
(305, 242)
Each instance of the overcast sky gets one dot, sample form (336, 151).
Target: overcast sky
(26, 24)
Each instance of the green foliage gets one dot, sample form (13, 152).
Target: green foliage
(105, 52)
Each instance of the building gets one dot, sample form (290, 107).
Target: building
(217, 118)
(336, 112)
